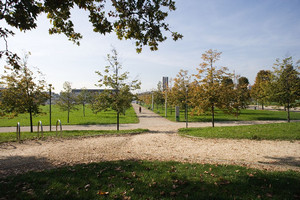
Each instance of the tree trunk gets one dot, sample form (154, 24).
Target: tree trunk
(68, 115)
(83, 109)
(288, 113)
(31, 125)
(213, 115)
(262, 106)
(118, 121)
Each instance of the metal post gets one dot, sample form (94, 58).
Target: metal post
(186, 107)
(166, 104)
(152, 101)
(50, 85)
(18, 132)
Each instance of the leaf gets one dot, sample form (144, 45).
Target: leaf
(102, 193)
(269, 195)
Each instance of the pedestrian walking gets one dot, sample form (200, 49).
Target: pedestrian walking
(140, 109)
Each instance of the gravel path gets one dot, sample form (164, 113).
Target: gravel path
(162, 143)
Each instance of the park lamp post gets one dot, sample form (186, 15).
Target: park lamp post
(50, 85)
(186, 106)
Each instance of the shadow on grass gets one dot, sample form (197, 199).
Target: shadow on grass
(290, 161)
(19, 164)
(151, 180)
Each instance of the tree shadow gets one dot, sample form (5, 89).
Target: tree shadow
(12, 165)
(133, 179)
(290, 161)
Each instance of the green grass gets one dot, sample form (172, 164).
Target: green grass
(11, 137)
(281, 131)
(151, 180)
(246, 115)
(76, 117)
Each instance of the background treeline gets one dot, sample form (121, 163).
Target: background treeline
(215, 88)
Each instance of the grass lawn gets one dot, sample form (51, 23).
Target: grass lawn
(151, 180)
(246, 115)
(11, 137)
(281, 131)
(76, 117)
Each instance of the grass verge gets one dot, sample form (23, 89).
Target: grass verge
(246, 115)
(151, 180)
(76, 117)
(276, 131)
(11, 137)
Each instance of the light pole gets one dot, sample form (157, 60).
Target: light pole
(50, 85)
(186, 106)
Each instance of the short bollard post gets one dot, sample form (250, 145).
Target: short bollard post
(38, 129)
(18, 132)
(58, 122)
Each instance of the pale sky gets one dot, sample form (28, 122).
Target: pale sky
(251, 35)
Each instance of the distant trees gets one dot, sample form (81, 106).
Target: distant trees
(24, 92)
(67, 100)
(119, 97)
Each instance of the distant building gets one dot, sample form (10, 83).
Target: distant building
(92, 91)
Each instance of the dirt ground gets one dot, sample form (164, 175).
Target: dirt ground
(162, 143)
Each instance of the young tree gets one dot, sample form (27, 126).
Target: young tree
(67, 100)
(119, 98)
(142, 21)
(158, 95)
(179, 94)
(260, 89)
(83, 98)
(208, 85)
(241, 95)
(23, 92)
(286, 84)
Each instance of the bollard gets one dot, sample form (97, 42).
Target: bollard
(59, 122)
(38, 129)
(18, 132)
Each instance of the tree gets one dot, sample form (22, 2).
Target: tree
(142, 20)
(119, 97)
(83, 98)
(241, 95)
(23, 92)
(158, 95)
(206, 95)
(178, 93)
(67, 100)
(285, 84)
(260, 89)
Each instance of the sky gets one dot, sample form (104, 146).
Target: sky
(250, 34)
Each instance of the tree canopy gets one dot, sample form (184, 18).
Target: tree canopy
(23, 92)
(142, 20)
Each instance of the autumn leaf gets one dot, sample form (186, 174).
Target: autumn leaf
(102, 193)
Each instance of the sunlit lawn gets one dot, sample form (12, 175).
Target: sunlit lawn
(11, 137)
(281, 131)
(246, 115)
(151, 180)
(76, 117)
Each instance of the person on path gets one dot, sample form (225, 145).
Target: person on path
(140, 109)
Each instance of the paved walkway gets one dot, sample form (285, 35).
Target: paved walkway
(147, 120)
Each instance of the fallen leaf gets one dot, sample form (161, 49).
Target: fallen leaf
(173, 193)
(102, 193)
(269, 195)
